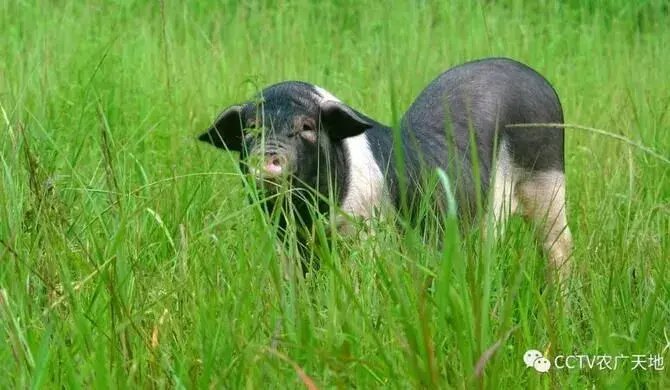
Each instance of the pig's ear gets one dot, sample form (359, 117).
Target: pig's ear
(226, 132)
(340, 121)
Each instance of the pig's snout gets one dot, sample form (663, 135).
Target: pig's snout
(270, 169)
(274, 165)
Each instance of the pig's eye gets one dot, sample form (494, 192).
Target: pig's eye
(306, 129)
(308, 135)
(248, 137)
(252, 130)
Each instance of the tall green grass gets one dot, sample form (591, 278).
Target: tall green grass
(129, 255)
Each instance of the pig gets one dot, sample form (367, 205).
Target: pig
(301, 135)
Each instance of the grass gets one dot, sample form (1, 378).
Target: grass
(130, 257)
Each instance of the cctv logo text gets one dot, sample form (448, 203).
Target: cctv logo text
(602, 362)
(645, 362)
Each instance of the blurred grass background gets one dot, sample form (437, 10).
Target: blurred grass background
(130, 257)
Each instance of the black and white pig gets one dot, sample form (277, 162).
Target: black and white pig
(301, 132)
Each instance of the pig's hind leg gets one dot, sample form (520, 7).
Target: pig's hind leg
(538, 155)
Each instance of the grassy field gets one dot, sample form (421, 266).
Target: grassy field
(130, 257)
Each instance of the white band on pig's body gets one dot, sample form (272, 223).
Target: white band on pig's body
(365, 188)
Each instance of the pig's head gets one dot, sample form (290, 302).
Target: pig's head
(291, 134)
